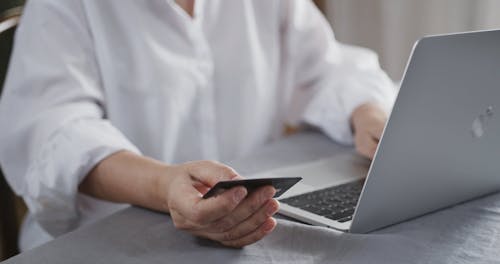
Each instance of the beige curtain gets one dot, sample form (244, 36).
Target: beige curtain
(390, 27)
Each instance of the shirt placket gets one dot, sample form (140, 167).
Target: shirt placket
(203, 78)
(206, 105)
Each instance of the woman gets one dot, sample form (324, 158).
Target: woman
(117, 102)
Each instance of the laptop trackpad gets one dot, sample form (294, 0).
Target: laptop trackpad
(322, 173)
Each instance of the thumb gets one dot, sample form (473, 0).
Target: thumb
(208, 210)
(211, 172)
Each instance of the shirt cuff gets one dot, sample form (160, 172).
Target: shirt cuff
(330, 109)
(62, 163)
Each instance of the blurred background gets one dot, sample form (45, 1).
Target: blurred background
(390, 27)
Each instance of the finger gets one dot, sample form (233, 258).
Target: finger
(366, 145)
(211, 172)
(371, 148)
(263, 230)
(376, 130)
(201, 187)
(208, 210)
(245, 209)
(247, 226)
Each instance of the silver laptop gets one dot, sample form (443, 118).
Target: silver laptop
(440, 147)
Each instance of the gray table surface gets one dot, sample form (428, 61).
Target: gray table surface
(466, 233)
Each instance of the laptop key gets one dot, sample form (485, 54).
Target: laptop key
(345, 219)
(340, 215)
(337, 202)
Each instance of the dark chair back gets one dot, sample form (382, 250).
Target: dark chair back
(11, 207)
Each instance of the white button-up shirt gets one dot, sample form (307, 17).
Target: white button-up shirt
(89, 78)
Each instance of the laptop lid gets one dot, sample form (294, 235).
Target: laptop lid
(441, 145)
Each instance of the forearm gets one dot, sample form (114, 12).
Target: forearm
(234, 217)
(125, 177)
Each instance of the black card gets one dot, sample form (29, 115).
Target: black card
(281, 184)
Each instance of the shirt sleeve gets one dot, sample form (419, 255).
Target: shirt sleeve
(52, 113)
(329, 79)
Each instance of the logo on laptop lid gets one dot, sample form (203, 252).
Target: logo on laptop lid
(480, 123)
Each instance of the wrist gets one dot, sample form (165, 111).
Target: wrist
(354, 116)
(161, 181)
(359, 112)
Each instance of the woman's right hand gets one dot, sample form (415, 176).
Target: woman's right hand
(234, 218)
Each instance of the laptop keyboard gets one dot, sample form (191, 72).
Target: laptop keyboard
(336, 203)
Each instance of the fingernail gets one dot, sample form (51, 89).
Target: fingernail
(240, 194)
(269, 225)
(269, 193)
(271, 209)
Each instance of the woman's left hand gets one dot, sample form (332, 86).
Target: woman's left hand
(368, 122)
